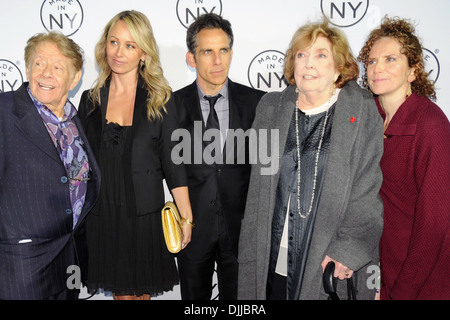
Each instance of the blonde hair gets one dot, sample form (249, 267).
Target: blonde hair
(306, 35)
(67, 46)
(151, 71)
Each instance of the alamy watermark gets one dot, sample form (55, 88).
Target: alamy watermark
(262, 145)
(373, 281)
(74, 278)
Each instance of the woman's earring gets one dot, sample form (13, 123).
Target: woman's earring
(409, 91)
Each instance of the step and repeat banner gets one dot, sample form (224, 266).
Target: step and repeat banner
(262, 30)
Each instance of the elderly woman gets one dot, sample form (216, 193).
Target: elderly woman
(415, 246)
(323, 203)
(49, 179)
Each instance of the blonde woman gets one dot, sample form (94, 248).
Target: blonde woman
(128, 118)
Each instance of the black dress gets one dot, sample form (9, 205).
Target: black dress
(127, 253)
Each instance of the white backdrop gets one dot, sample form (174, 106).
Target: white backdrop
(262, 29)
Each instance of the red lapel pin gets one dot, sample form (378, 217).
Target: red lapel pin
(352, 119)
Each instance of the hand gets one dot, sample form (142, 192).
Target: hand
(187, 233)
(181, 197)
(340, 271)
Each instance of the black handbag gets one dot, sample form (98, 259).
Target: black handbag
(330, 284)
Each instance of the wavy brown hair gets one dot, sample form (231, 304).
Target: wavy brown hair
(306, 35)
(151, 71)
(402, 30)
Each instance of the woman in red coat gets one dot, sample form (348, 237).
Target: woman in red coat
(415, 245)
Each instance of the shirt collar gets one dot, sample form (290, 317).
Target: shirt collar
(69, 110)
(223, 91)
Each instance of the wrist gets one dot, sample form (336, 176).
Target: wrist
(188, 221)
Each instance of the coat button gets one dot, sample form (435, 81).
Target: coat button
(69, 211)
(64, 179)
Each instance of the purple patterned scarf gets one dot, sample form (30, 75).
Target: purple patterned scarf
(70, 146)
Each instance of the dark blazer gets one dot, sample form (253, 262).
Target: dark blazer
(217, 187)
(150, 151)
(37, 242)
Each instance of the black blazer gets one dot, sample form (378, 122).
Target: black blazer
(150, 150)
(217, 187)
(37, 242)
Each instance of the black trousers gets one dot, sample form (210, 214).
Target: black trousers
(278, 289)
(196, 276)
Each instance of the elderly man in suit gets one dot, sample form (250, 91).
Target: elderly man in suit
(49, 179)
(218, 183)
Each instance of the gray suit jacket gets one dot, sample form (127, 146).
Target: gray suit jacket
(349, 220)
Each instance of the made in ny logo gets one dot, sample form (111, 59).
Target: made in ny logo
(10, 76)
(432, 66)
(266, 71)
(189, 10)
(344, 13)
(65, 16)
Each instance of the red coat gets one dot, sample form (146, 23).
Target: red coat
(415, 245)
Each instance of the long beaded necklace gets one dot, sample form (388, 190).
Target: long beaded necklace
(316, 164)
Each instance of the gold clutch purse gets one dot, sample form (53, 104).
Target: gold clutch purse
(171, 224)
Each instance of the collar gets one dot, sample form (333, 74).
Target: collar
(223, 91)
(327, 105)
(49, 116)
(401, 123)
